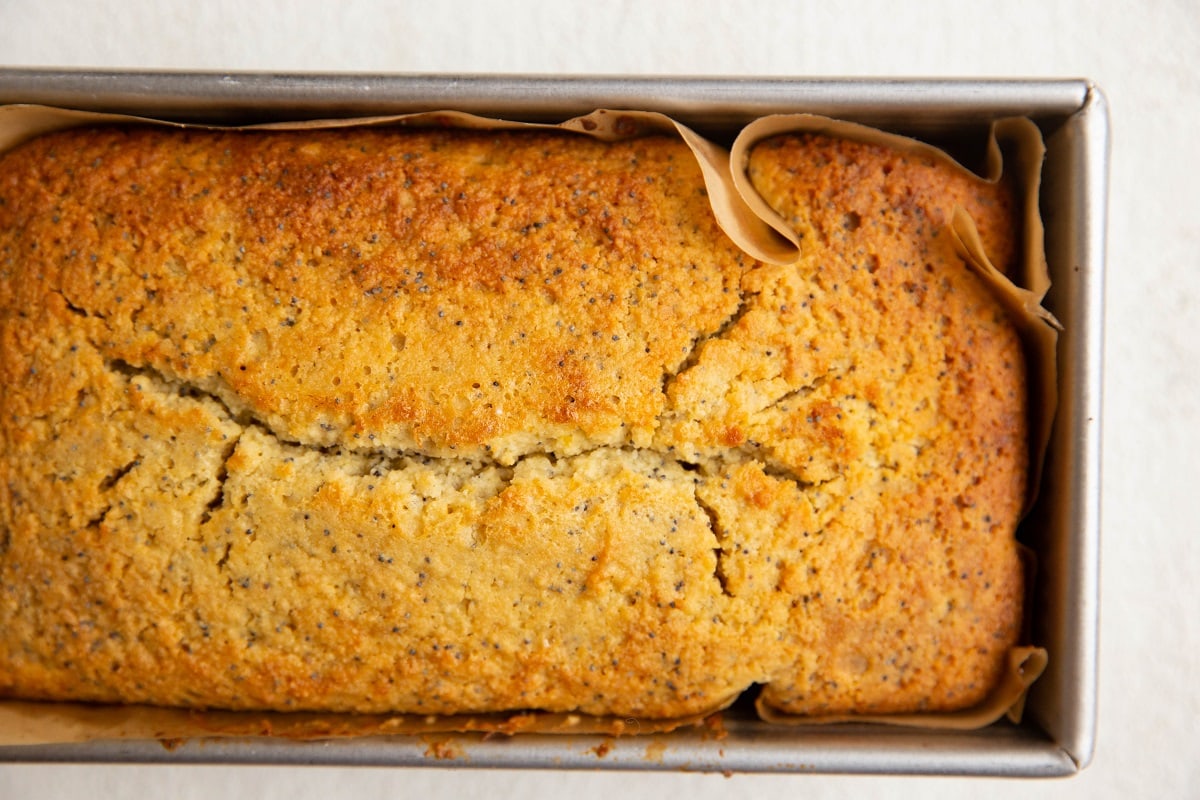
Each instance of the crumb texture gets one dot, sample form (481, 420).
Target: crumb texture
(446, 422)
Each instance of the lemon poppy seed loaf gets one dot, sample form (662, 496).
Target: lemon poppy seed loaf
(446, 422)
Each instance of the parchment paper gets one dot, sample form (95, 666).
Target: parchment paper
(757, 230)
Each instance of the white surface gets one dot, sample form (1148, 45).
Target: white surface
(1146, 56)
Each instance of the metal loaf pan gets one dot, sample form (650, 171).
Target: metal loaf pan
(1058, 732)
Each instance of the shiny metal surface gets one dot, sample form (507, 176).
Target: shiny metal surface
(1065, 528)
(749, 747)
(930, 106)
(1058, 735)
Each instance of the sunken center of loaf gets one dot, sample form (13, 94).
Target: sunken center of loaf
(443, 422)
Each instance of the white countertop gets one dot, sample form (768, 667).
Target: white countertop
(1144, 55)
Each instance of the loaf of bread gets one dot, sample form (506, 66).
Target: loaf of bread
(440, 422)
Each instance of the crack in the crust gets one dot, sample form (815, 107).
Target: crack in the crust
(693, 353)
(385, 458)
(96, 519)
(224, 559)
(77, 310)
(376, 461)
(114, 477)
(799, 393)
(106, 485)
(218, 499)
(373, 461)
(184, 389)
(718, 531)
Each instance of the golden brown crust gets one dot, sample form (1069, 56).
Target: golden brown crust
(924, 373)
(434, 422)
